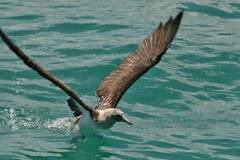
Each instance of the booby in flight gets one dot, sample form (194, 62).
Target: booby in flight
(111, 90)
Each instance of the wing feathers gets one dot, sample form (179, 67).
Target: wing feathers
(134, 66)
(30, 63)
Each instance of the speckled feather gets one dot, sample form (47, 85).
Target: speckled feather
(134, 66)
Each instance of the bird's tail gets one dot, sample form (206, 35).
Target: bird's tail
(76, 111)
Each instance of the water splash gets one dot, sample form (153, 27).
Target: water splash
(14, 119)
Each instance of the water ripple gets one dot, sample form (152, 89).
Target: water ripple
(186, 107)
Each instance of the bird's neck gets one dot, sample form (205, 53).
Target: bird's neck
(104, 118)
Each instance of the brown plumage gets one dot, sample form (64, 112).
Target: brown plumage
(133, 67)
(116, 84)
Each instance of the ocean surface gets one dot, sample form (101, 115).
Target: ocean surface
(186, 108)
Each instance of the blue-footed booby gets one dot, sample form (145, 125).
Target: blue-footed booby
(113, 87)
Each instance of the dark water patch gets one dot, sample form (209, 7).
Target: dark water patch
(208, 135)
(165, 145)
(119, 142)
(214, 93)
(124, 49)
(79, 77)
(199, 58)
(42, 89)
(158, 75)
(72, 52)
(68, 28)
(202, 96)
(25, 17)
(210, 11)
(177, 105)
(76, 73)
(89, 149)
(1, 7)
(227, 73)
(83, 18)
(233, 152)
(39, 156)
(210, 122)
(86, 53)
(24, 32)
(33, 46)
(224, 142)
(229, 57)
(6, 74)
(237, 5)
(80, 52)
(179, 155)
(5, 3)
(64, 6)
(132, 138)
(137, 114)
(9, 90)
(218, 74)
(225, 34)
(81, 80)
(155, 96)
(155, 154)
(101, 71)
(179, 136)
(43, 97)
(28, 74)
(11, 156)
(236, 89)
(196, 156)
(175, 86)
(24, 146)
(111, 27)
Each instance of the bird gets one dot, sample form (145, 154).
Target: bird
(113, 87)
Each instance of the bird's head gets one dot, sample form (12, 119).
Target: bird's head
(112, 115)
(119, 116)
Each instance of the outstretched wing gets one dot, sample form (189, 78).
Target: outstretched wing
(146, 56)
(30, 63)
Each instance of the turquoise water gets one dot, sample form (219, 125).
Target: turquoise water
(187, 107)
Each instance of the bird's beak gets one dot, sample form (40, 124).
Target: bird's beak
(124, 119)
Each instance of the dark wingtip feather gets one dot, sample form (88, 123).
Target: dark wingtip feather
(171, 28)
(178, 17)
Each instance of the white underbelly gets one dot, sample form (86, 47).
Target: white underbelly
(86, 122)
